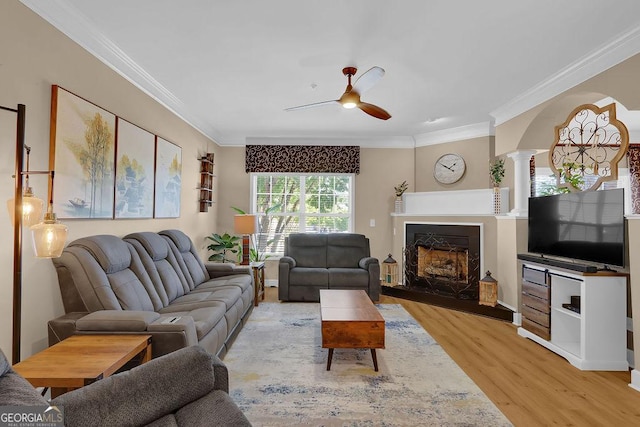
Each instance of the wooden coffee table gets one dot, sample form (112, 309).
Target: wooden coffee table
(81, 360)
(350, 320)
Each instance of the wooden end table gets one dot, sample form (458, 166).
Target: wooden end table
(350, 320)
(258, 281)
(81, 360)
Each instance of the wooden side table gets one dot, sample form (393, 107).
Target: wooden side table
(81, 360)
(258, 281)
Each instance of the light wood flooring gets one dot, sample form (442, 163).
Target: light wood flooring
(531, 385)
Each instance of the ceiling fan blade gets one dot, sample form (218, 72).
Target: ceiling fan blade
(368, 79)
(317, 104)
(374, 110)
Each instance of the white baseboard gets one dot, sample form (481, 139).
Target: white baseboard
(635, 380)
(271, 283)
(517, 319)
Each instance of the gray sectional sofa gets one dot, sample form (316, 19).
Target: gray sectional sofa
(326, 261)
(188, 387)
(151, 283)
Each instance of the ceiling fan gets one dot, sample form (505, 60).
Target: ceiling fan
(351, 96)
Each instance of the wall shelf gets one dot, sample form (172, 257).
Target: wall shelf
(206, 182)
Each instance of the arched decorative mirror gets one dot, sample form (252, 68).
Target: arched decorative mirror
(588, 147)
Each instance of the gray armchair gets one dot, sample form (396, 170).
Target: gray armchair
(326, 261)
(188, 387)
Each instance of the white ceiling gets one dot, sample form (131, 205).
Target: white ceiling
(453, 68)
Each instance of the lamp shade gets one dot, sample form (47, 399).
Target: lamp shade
(31, 208)
(244, 224)
(49, 237)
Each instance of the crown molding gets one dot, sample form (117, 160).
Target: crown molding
(477, 130)
(379, 142)
(605, 57)
(75, 25)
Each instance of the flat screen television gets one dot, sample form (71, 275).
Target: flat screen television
(586, 226)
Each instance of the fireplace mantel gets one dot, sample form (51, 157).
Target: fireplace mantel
(458, 202)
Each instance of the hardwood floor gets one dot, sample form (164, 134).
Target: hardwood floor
(531, 385)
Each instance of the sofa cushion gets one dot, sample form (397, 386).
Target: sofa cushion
(348, 278)
(161, 264)
(346, 250)
(121, 281)
(309, 276)
(241, 281)
(226, 295)
(309, 250)
(187, 255)
(110, 251)
(205, 318)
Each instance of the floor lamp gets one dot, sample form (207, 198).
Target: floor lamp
(49, 235)
(245, 225)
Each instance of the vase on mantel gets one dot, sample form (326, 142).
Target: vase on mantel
(398, 205)
(496, 201)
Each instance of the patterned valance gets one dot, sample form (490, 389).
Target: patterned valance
(302, 159)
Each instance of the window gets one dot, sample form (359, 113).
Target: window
(545, 184)
(294, 203)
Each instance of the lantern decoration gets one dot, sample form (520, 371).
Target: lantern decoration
(390, 271)
(488, 290)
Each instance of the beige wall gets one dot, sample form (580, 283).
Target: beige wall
(35, 56)
(476, 154)
(534, 129)
(381, 169)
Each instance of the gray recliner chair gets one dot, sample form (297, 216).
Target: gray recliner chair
(326, 261)
(188, 387)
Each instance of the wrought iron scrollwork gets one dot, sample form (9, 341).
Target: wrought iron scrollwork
(434, 279)
(588, 147)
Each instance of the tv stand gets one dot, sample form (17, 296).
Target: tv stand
(595, 338)
(569, 265)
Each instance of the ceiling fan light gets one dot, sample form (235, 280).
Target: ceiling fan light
(350, 100)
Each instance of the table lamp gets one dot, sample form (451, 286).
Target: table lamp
(245, 225)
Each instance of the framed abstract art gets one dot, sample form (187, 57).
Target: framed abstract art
(135, 153)
(82, 155)
(168, 179)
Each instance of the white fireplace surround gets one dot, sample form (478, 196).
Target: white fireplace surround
(458, 202)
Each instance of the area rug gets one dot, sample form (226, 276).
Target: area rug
(278, 376)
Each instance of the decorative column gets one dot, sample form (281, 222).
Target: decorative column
(521, 185)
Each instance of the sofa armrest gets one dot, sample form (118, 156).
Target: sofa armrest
(225, 269)
(367, 262)
(287, 260)
(372, 265)
(145, 393)
(285, 265)
(63, 327)
(116, 321)
(166, 335)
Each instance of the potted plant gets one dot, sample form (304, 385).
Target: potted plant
(400, 189)
(496, 172)
(222, 245)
